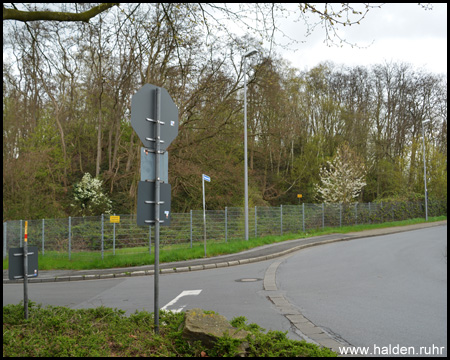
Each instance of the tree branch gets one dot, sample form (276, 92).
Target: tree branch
(24, 16)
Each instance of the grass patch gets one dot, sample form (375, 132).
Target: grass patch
(171, 253)
(56, 331)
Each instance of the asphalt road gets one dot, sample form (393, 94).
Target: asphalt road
(230, 291)
(384, 291)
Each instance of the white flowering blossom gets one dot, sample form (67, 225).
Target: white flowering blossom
(89, 197)
(344, 178)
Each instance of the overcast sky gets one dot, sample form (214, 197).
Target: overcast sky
(395, 32)
(400, 33)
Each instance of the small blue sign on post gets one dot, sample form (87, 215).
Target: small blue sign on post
(208, 179)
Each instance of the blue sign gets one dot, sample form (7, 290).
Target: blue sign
(206, 178)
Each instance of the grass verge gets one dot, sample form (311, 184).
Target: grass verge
(171, 253)
(56, 331)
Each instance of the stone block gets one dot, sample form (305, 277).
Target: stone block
(208, 327)
(222, 264)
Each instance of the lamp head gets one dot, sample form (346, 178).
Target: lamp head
(250, 53)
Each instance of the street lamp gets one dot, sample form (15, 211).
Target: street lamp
(246, 55)
(425, 170)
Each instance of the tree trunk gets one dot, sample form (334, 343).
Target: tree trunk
(99, 139)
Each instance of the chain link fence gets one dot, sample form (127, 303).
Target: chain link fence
(95, 235)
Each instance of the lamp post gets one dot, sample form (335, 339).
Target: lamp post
(425, 170)
(246, 55)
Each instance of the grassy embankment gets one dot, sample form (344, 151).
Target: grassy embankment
(139, 256)
(59, 331)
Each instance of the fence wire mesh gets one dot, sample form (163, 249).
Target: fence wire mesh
(90, 236)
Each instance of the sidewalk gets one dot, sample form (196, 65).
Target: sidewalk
(261, 253)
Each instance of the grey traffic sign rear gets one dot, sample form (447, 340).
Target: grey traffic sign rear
(148, 166)
(143, 107)
(15, 268)
(146, 204)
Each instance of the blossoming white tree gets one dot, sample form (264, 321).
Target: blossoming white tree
(89, 197)
(343, 178)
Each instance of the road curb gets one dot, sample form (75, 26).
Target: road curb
(174, 269)
(307, 330)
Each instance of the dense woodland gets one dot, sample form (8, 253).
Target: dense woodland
(67, 91)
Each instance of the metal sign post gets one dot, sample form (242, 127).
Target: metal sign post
(207, 178)
(22, 268)
(114, 220)
(157, 200)
(25, 272)
(154, 117)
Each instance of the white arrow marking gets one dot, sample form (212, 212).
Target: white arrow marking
(183, 293)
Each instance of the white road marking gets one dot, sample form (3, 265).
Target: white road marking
(183, 293)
